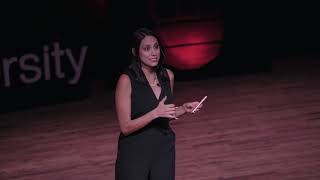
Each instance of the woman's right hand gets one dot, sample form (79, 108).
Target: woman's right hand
(165, 110)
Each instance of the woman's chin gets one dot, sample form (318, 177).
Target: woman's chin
(151, 64)
(154, 64)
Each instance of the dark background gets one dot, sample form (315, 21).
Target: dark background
(255, 34)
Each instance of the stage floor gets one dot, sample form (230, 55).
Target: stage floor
(255, 126)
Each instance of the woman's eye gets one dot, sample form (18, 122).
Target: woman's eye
(147, 48)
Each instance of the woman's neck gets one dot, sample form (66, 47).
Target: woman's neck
(148, 71)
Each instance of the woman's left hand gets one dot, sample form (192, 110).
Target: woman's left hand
(189, 106)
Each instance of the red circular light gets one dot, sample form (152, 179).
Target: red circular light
(191, 45)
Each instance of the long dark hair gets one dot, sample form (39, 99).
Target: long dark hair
(135, 65)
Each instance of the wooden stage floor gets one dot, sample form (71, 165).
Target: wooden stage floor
(255, 126)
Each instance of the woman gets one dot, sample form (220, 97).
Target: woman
(143, 97)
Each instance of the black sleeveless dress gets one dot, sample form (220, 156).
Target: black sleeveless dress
(149, 153)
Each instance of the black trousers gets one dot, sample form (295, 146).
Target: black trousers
(146, 155)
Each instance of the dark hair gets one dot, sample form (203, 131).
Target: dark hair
(135, 65)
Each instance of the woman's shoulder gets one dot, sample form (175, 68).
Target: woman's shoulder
(124, 79)
(123, 85)
(125, 75)
(170, 73)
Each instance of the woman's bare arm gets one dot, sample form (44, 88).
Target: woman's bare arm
(180, 110)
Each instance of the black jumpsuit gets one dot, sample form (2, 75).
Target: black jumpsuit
(149, 153)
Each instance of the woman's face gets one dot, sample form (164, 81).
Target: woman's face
(149, 51)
